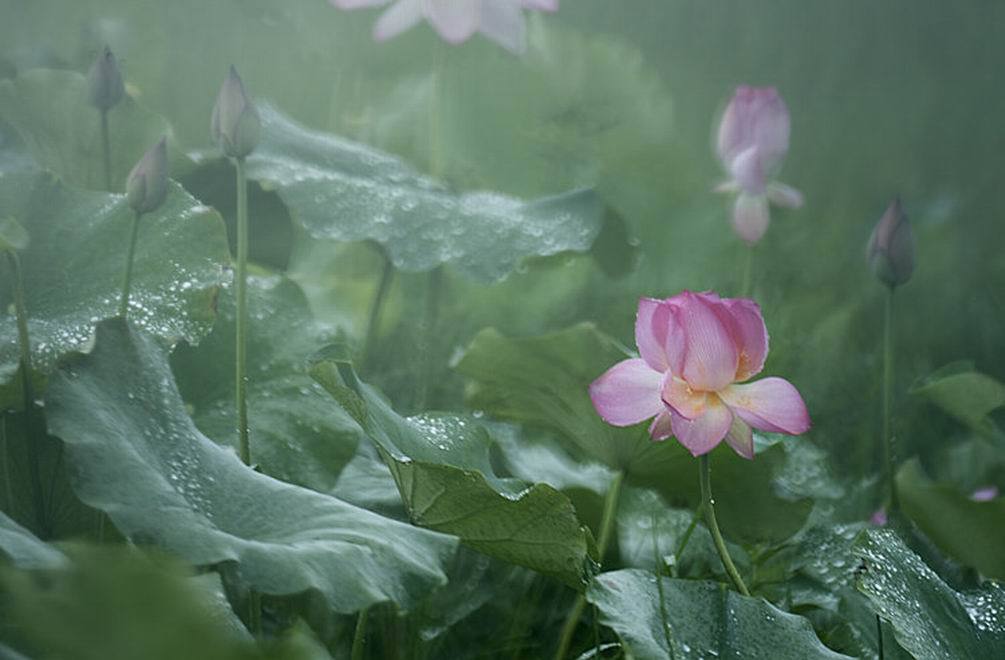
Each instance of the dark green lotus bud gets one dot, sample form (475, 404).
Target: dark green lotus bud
(146, 186)
(12, 235)
(235, 125)
(104, 81)
(891, 248)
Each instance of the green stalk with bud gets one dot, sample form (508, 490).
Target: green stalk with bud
(146, 189)
(236, 127)
(105, 90)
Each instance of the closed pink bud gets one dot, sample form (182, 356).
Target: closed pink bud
(104, 81)
(891, 247)
(146, 186)
(235, 125)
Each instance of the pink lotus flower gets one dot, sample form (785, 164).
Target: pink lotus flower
(695, 348)
(752, 142)
(456, 20)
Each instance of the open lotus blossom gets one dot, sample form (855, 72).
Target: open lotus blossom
(456, 21)
(752, 142)
(696, 349)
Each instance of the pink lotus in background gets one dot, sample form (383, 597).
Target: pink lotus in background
(456, 21)
(984, 494)
(752, 142)
(695, 350)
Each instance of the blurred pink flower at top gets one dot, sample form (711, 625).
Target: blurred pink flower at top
(752, 141)
(456, 21)
(695, 350)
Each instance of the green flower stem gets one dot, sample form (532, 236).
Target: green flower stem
(889, 443)
(127, 279)
(28, 394)
(705, 477)
(606, 530)
(659, 579)
(106, 150)
(748, 272)
(359, 636)
(373, 325)
(241, 349)
(4, 456)
(434, 290)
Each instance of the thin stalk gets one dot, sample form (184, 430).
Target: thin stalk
(241, 348)
(359, 636)
(434, 287)
(127, 279)
(28, 394)
(606, 529)
(373, 325)
(106, 150)
(659, 581)
(879, 632)
(708, 503)
(748, 272)
(255, 612)
(687, 537)
(8, 492)
(890, 453)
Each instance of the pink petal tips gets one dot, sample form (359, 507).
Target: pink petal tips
(751, 143)
(696, 350)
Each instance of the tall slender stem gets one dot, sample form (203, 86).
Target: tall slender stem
(708, 503)
(606, 530)
(106, 150)
(373, 325)
(889, 442)
(4, 456)
(659, 580)
(241, 348)
(127, 279)
(359, 636)
(28, 395)
(434, 286)
(748, 272)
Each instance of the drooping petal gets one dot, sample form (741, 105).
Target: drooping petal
(711, 356)
(651, 326)
(502, 22)
(627, 393)
(356, 4)
(684, 401)
(661, 428)
(540, 5)
(402, 16)
(701, 435)
(751, 336)
(771, 404)
(455, 20)
(785, 196)
(751, 217)
(741, 438)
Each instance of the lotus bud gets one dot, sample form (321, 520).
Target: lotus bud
(146, 186)
(235, 125)
(891, 248)
(104, 81)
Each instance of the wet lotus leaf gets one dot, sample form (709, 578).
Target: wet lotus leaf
(348, 191)
(699, 619)
(73, 266)
(49, 110)
(136, 455)
(295, 434)
(442, 468)
(964, 393)
(930, 619)
(24, 549)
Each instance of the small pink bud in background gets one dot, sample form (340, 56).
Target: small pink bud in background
(984, 494)
(235, 125)
(890, 251)
(104, 81)
(752, 141)
(146, 185)
(879, 518)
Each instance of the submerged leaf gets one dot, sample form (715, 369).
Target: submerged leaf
(137, 456)
(699, 619)
(347, 191)
(441, 466)
(73, 268)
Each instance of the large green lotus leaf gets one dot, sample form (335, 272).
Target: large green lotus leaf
(442, 468)
(24, 549)
(972, 532)
(964, 393)
(295, 434)
(544, 381)
(931, 620)
(136, 455)
(49, 110)
(702, 619)
(344, 190)
(74, 264)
